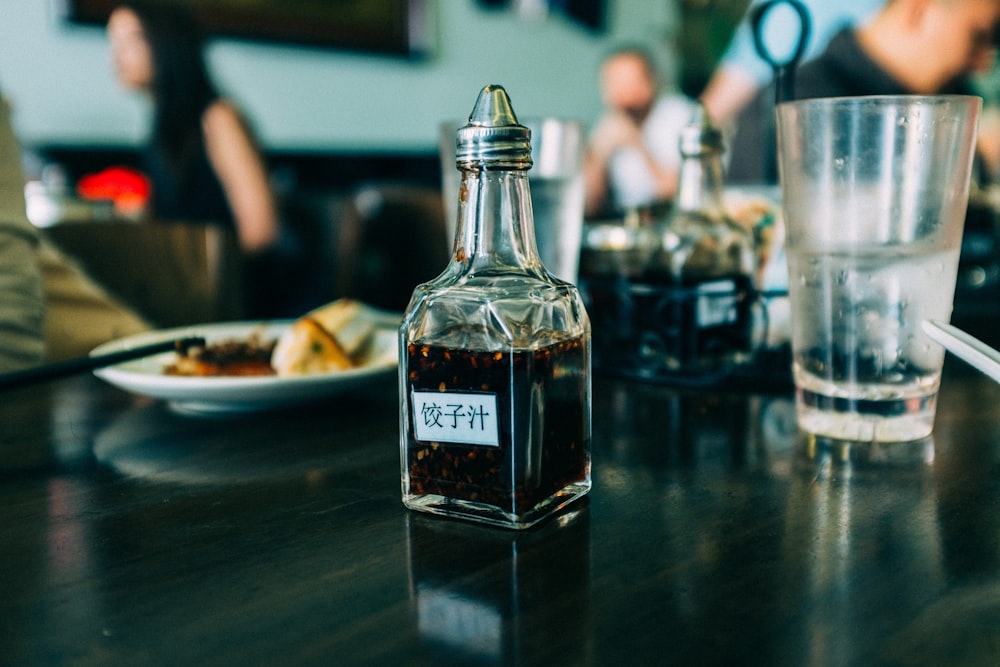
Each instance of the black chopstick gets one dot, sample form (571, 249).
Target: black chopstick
(62, 369)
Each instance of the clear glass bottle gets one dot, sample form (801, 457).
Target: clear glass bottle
(705, 263)
(495, 352)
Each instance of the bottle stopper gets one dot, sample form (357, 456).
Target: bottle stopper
(493, 137)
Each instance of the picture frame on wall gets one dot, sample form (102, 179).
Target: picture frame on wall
(388, 27)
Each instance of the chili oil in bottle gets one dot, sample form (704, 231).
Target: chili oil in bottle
(495, 352)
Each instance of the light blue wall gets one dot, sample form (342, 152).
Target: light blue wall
(58, 77)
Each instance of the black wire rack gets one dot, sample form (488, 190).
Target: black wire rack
(712, 335)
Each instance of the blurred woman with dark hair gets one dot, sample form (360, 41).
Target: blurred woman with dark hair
(202, 158)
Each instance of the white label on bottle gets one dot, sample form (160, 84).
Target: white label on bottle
(456, 417)
(716, 303)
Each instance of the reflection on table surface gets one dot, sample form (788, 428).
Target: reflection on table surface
(134, 535)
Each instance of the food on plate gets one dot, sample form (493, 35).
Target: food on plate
(331, 338)
(230, 358)
(758, 212)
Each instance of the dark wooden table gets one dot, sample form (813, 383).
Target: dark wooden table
(130, 535)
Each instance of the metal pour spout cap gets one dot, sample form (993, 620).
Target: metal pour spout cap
(493, 137)
(700, 136)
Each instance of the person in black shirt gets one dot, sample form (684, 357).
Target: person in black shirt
(910, 47)
(202, 158)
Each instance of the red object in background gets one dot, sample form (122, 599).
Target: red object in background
(127, 188)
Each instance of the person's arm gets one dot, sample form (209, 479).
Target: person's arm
(728, 91)
(610, 133)
(616, 133)
(988, 143)
(22, 316)
(22, 313)
(664, 178)
(240, 168)
(595, 182)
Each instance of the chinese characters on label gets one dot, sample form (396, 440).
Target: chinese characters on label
(455, 417)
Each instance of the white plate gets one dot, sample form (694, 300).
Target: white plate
(215, 395)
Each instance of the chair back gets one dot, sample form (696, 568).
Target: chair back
(172, 273)
(390, 238)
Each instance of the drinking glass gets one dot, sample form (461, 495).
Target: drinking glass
(874, 191)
